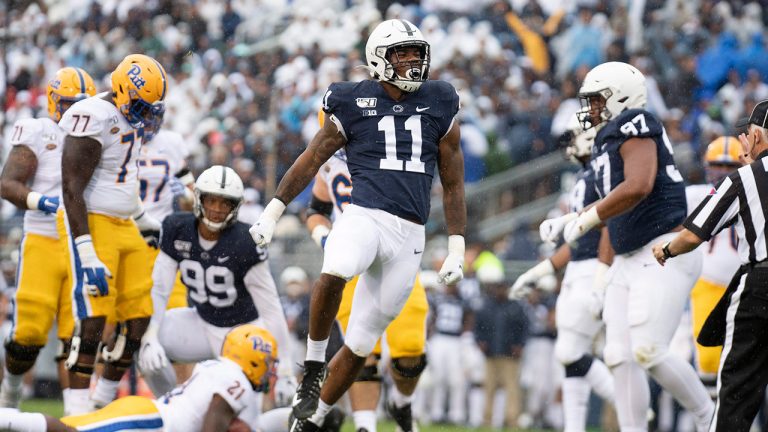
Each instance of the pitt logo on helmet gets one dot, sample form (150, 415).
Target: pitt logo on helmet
(134, 73)
(138, 89)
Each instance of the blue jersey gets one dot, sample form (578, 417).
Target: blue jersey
(214, 278)
(665, 207)
(582, 195)
(392, 145)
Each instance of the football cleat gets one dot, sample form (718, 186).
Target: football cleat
(308, 394)
(402, 417)
(333, 420)
(297, 425)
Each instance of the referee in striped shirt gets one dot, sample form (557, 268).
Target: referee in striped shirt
(739, 322)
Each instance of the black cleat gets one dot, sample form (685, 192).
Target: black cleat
(333, 420)
(402, 417)
(308, 394)
(297, 425)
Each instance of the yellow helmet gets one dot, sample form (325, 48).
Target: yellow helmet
(724, 150)
(255, 350)
(138, 89)
(68, 86)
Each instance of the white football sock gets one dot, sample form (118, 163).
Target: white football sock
(600, 379)
(13, 420)
(316, 350)
(104, 392)
(10, 390)
(632, 396)
(681, 381)
(322, 410)
(400, 400)
(365, 419)
(77, 401)
(575, 400)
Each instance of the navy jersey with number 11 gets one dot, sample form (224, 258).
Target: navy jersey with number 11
(665, 207)
(392, 146)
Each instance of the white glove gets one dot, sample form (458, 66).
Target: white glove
(597, 293)
(285, 388)
(525, 282)
(320, 235)
(550, 229)
(94, 272)
(581, 225)
(152, 355)
(452, 270)
(264, 227)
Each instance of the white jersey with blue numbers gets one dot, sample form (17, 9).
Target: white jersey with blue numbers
(392, 146)
(582, 195)
(335, 174)
(112, 188)
(664, 208)
(721, 252)
(159, 161)
(183, 409)
(45, 139)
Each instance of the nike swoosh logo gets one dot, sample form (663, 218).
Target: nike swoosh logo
(421, 109)
(416, 252)
(223, 259)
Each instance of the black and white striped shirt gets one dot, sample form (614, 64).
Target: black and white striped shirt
(741, 199)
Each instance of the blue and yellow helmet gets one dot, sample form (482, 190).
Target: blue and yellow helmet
(139, 86)
(68, 86)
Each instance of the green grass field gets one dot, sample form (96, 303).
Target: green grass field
(55, 408)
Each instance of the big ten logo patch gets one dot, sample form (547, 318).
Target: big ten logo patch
(260, 344)
(134, 73)
(55, 84)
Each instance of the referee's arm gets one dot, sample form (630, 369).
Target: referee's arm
(715, 212)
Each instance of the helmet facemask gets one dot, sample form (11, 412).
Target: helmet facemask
(200, 213)
(417, 71)
(594, 110)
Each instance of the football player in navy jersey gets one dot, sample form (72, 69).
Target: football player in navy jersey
(642, 203)
(397, 129)
(577, 312)
(228, 281)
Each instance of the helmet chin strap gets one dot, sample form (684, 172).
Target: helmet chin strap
(216, 226)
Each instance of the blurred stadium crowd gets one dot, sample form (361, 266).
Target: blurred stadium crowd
(247, 76)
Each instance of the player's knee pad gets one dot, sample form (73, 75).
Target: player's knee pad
(410, 371)
(578, 368)
(21, 353)
(615, 354)
(566, 352)
(648, 355)
(82, 346)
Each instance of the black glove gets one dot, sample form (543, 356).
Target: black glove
(152, 238)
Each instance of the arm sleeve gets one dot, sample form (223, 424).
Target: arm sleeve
(27, 132)
(261, 287)
(717, 210)
(163, 277)
(82, 121)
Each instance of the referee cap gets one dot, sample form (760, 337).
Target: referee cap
(758, 117)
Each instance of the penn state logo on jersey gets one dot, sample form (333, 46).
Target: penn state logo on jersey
(392, 145)
(214, 277)
(582, 195)
(665, 207)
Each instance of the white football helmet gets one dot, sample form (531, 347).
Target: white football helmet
(621, 86)
(577, 141)
(391, 34)
(221, 181)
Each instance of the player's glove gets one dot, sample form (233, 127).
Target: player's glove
(597, 293)
(264, 228)
(95, 273)
(145, 222)
(581, 225)
(550, 229)
(526, 281)
(285, 388)
(320, 235)
(452, 270)
(176, 186)
(152, 355)
(46, 204)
